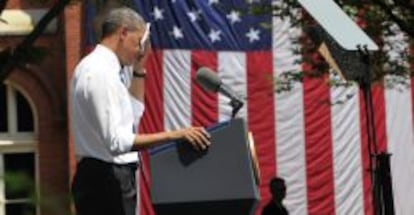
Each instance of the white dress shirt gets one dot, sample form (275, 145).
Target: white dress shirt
(102, 111)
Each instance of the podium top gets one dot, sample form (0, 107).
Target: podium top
(331, 17)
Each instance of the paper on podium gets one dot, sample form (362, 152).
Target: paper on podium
(331, 17)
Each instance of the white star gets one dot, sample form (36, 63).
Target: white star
(253, 35)
(177, 33)
(210, 2)
(214, 35)
(158, 13)
(194, 15)
(173, 1)
(234, 16)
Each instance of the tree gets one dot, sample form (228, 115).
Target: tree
(389, 23)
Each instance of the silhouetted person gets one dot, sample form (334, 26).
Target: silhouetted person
(278, 190)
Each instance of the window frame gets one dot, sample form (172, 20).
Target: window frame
(13, 142)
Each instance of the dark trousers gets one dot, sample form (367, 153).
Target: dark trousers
(101, 188)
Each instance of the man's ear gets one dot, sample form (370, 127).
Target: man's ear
(123, 32)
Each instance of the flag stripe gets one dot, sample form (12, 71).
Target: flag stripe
(152, 121)
(204, 104)
(346, 148)
(378, 100)
(366, 158)
(177, 88)
(379, 103)
(320, 184)
(399, 124)
(289, 109)
(400, 144)
(261, 115)
(232, 72)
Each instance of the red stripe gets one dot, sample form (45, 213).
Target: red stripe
(378, 96)
(204, 105)
(261, 113)
(318, 146)
(152, 121)
(367, 182)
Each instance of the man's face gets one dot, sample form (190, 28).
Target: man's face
(130, 45)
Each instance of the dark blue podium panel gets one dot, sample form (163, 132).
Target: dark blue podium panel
(220, 180)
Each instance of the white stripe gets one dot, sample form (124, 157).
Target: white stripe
(346, 144)
(232, 72)
(177, 89)
(290, 132)
(401, 145)
(399, 124)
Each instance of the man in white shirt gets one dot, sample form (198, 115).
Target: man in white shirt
(106, 104)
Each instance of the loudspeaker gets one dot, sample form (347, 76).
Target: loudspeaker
(347, 63)
(221, 180)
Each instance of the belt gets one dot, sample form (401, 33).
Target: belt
(96, 160)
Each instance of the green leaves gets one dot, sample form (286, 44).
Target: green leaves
(388, 23)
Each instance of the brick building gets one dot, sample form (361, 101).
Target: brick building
(34, 135)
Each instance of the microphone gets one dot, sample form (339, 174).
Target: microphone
(209, 81)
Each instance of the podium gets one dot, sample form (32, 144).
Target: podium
(221, 180)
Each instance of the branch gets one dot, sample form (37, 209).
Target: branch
(20, 52)
(400, 22)
(2, 6)
(405, 4)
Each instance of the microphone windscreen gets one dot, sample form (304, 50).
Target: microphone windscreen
(208, 79)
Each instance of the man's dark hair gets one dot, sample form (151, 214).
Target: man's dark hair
(119, 17)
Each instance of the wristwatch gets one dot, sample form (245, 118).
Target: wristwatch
(141, 74)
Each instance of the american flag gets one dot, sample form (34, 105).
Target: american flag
(305, 135)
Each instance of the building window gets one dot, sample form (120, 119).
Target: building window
(18, 169)
(3, 109)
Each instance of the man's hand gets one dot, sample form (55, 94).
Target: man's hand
(142, 56)
(198, 137)
(137, 87)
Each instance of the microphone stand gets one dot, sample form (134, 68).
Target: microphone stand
(236, 105)
(379, 163)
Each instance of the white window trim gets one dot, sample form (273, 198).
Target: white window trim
(17, 142)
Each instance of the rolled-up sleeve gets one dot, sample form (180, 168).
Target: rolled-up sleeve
(137, 109)
(138, 106)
